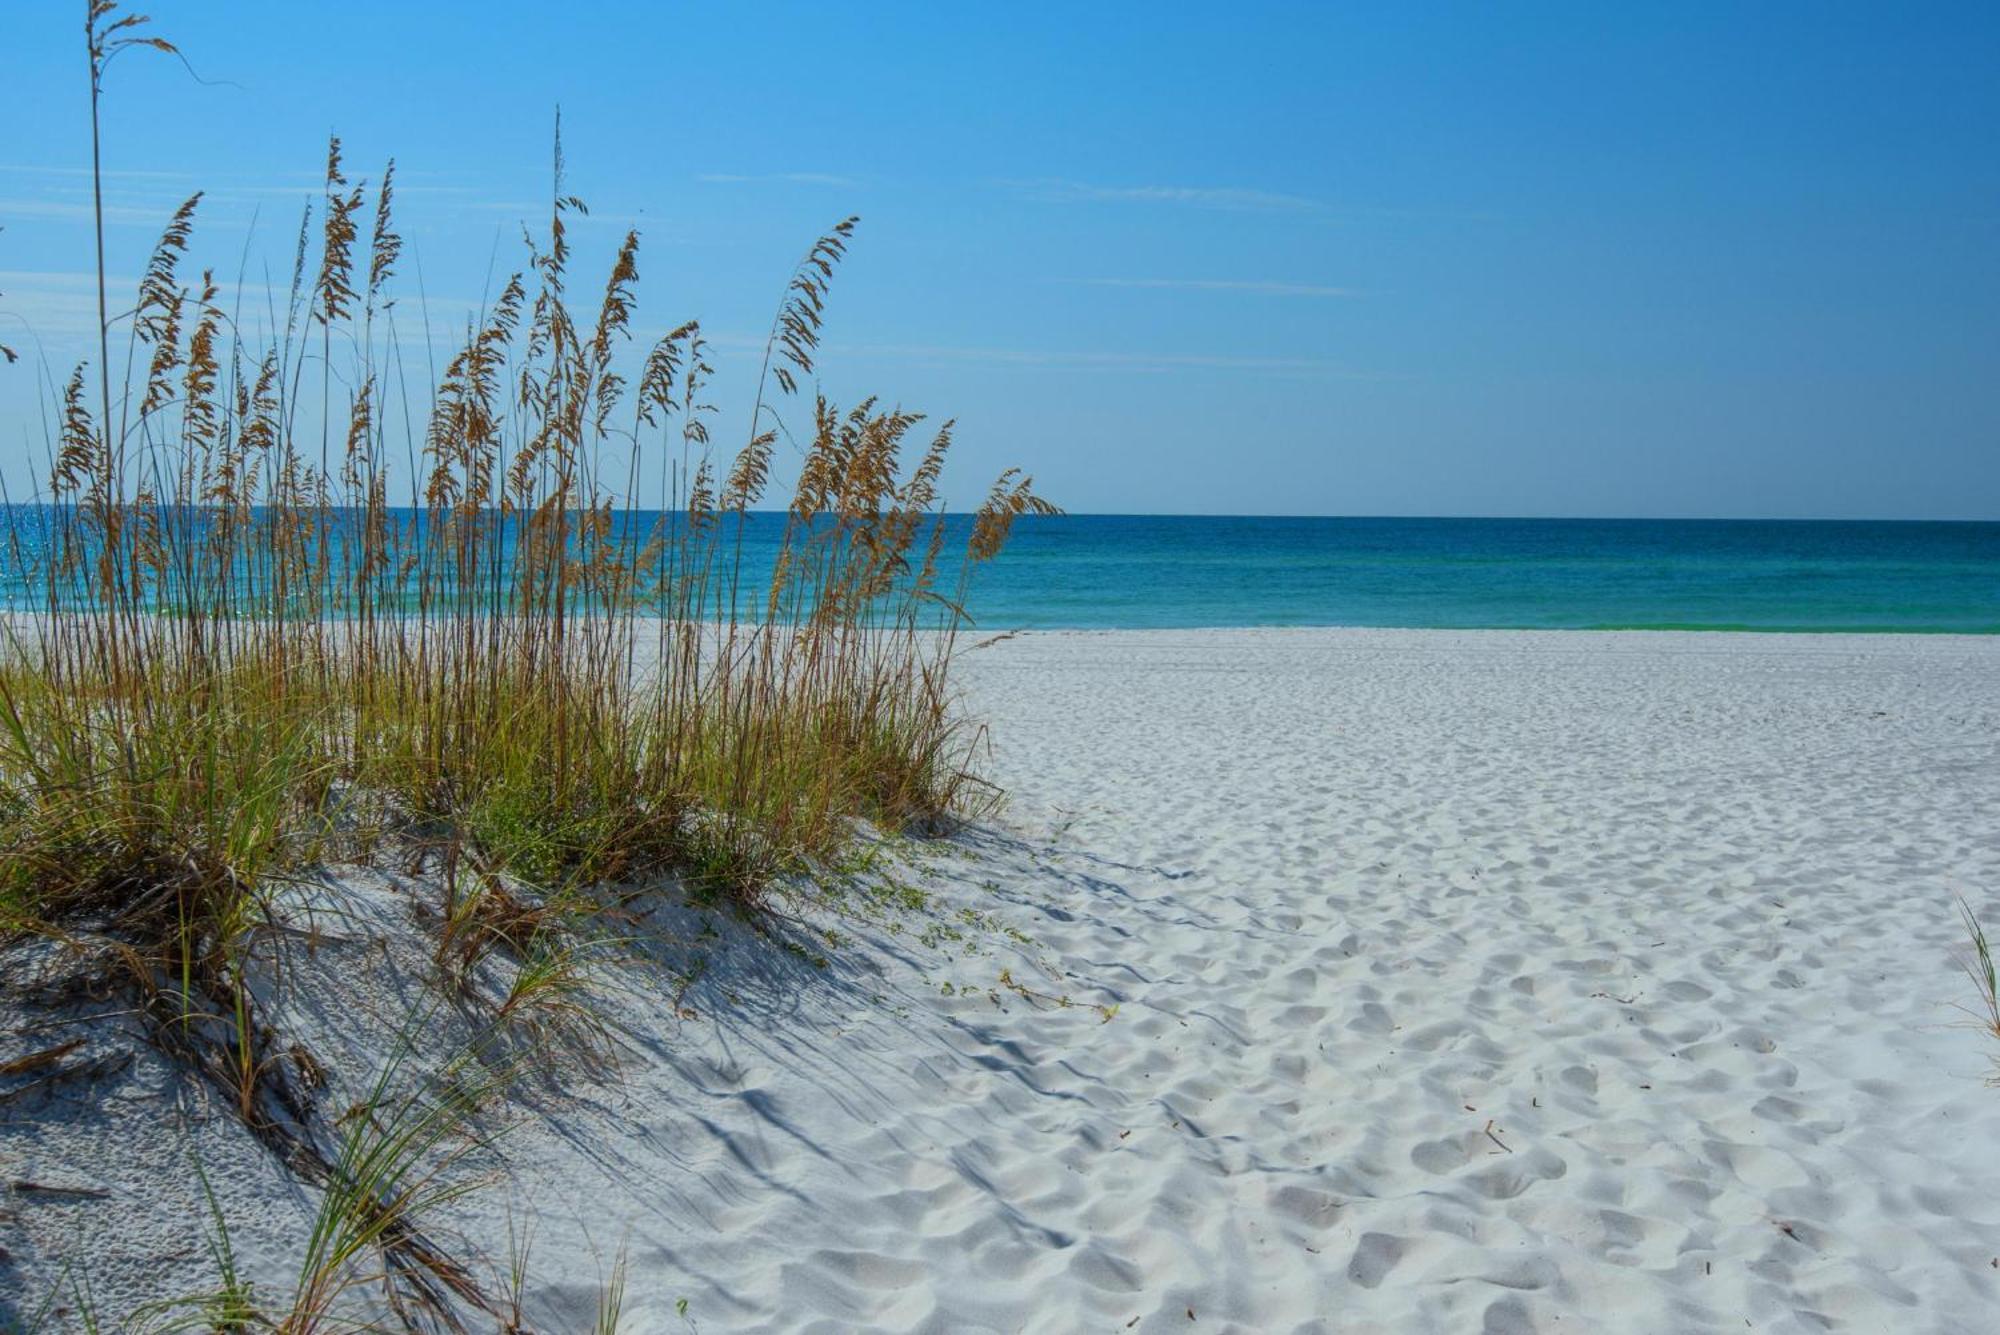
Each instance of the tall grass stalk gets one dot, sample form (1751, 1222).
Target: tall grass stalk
(239, 651)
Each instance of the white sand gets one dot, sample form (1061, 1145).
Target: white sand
(1485, 981)
(1673, 912)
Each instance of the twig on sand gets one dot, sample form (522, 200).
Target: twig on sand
(1496, 1139)
(35, 1060)
(26, 1188)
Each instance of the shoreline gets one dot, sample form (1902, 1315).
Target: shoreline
(1863, 636)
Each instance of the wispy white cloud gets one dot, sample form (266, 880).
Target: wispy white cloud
(1256, 287)
(110, 174)
(147, 199)
(54, 308)
(142, 200)
(537, 212)
(1106, 361)
(287, 182)
(81, 210)
(1055, 359)
(63, 278)
(778, 178)
(1056, 190)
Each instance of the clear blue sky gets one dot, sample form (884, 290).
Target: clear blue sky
(1582, 259)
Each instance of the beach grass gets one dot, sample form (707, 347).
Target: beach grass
(243, 657)
(290, 607)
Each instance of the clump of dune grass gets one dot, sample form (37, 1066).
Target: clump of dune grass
(238, 655)
(243, 656)
(287, 605)
(390, 1168)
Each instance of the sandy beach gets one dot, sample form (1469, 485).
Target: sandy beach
(1415, 981)
(1669, 916)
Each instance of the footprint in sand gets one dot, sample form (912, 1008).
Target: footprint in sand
(1374, 1257)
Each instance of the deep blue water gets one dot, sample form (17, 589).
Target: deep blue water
(1180, 571)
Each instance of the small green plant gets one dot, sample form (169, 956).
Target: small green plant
(36, 1321)
(393, 1165)
(553, 995)
(229, 1308)
(1977, 962)
(520, 1246)
(611, 1298)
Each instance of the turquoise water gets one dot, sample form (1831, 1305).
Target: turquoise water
(1103, 570)
(1182, 570)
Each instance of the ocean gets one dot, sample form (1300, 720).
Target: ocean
(1110, 571)
(1179, 571)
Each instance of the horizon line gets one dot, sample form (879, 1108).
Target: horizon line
(1517, 518)
(1262, 514)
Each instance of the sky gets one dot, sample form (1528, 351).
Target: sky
(1403, 259)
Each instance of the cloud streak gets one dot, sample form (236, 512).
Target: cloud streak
(936, 354)
(58, 307)
(1108, 361)
(147, 199)
(778, 178)
(1058, 191)
(109, 173)
(68, 210)
(1256, 287)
